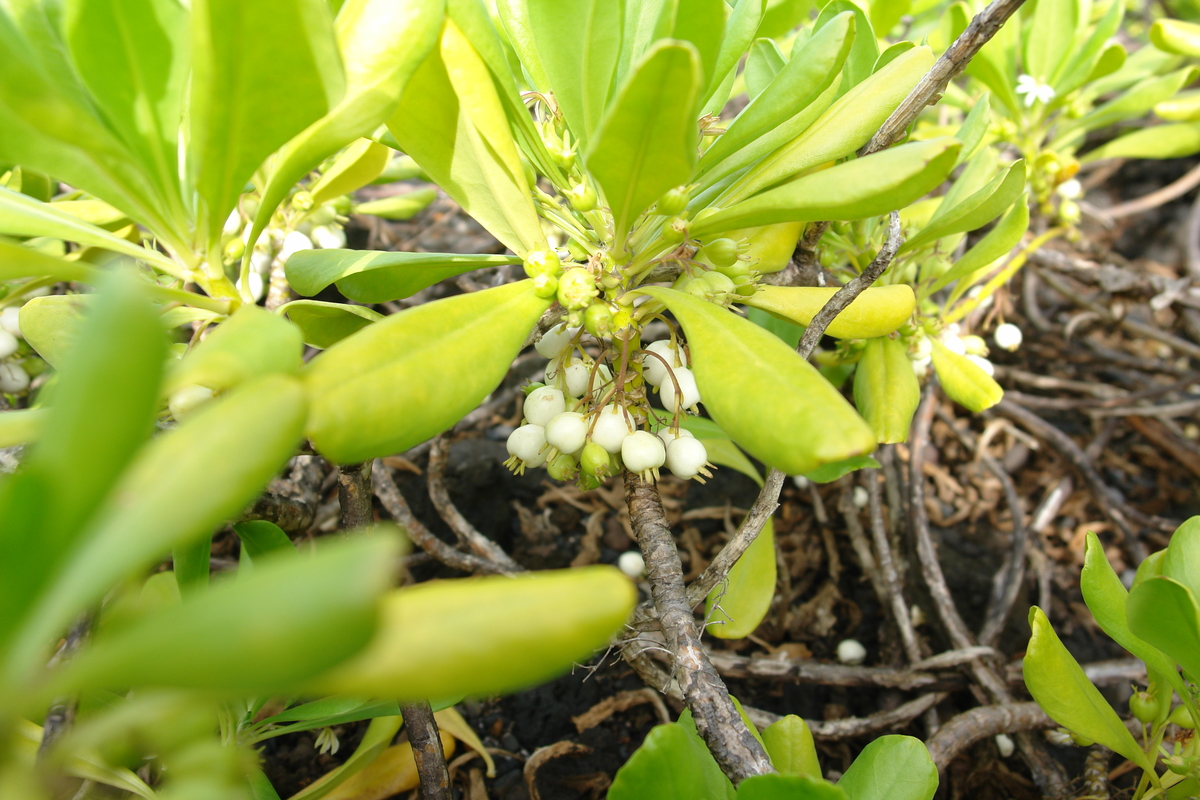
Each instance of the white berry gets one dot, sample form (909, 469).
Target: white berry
(611, 427)
(954, 343)
(293, 243)
(577, 377)
(329, 237)
(10, 320)
(643, 453)
(653, 369)
(567, 432)
(13, 378)
(983, 364)
(527, 443)
(632, 564)
(187, 399)
(233, 223)
(544, 404)
(1007, 336)
(860, 497)
(689, 394)
(1004, 744)
(555, 340)
(8, 344)
(668, 435)
(851, 651)
(687, 457)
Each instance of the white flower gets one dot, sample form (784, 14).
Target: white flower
(1034, 90)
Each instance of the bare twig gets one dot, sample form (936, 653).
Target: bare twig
(853, 727)
(466, 532)
(858, 539)
(1180, 187)
(734, 747)
(887, 568)
(61, 714)
(427, 750)
(391, 498)
(354, 495)
(980, 723)
(815, 672)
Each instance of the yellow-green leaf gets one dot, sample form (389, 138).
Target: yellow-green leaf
(886, 391)
(878, 311)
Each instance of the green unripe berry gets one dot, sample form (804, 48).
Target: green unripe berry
(720, 252)
(595, 461)
(342, 205)
(545, 286)
(738, 269)
(717, 283)
(302, 201)
(582, 197)
(563, 467)
(588, 482)
(674, 201)
(1144, 707)
(1180, 764)
(675, 230)
(542, 262)
(1181, 717)
(234, 249)
(745, 290)
(598, 320)
(576, 289)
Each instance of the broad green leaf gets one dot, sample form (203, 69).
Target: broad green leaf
(357, 166)
(133, 57)
(51, 324)
(790, 745)
(864, 52)
(1183, 107)
(259, 538)
(252, 343)
(250, 93)
(1060, 687)
(886, 14)
(974, 128)
(975, 211)
(377, 71)
(103, 411)
(295, 616)
(1086, 55)
(994, 65)
(673, 763)
(857, 189)
(737, 606)
(891, 54)
(579, 66)
(1107, 599)
(411, 376)
(191, 563)
(367, 276)
(831, 472)
(1051, 31)
(891, 768)
(399, 206)
(779, 113)
(1158, 141)
(646, 143)
(95, 212)
(1134, 102)
(463, 141)
(999, 241)
(323, 325)
(17, 261)
(782, 16)
(1163, 612)
(789, 787)
(762, 65)
(1182, 561)
(846, 126)
(886, 391)
(702, 23)
(721, 449)
(514, 16)
(23, 216)
(1176, 36)
(770, 401)
(878, 311)
(740, 30)
(457, 637)
(964, 381)
(181, 495)
(1145, 62)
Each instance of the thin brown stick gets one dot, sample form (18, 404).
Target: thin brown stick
(980, 723)
(1190, 180)
(858, 539)
(391, 498)
(354, 496)
(887, 568)
(427, 750)
(854, 727)
(732, 744)
(478, 543)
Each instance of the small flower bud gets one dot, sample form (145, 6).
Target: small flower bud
(675, 229)
(576, 288)
(1143, 707)
(582, 197)
(720, 252)
(542, 262)
(673, 202)
(545, 286)
(302, 201)
(975, 345)
(13, 378)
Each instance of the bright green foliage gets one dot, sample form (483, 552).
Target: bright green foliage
(886, 391)
(324, 324)
(369, 277)
(789, 743)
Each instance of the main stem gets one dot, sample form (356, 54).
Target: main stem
(737, 751)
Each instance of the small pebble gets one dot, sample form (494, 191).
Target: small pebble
(851, 651)
(632, 564)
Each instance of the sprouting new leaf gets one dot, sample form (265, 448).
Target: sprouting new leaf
(672, 764)
(646, 143)
(1061, 688)
(878, 311)
(1163, 612)
(411, 376)
(964, 381)
(864, 53)
(323, 325)
(886, 391)
(789, 743)
(861, 188)
(367, 276)
(770, 401)
(891, 768)
(975, 211)
(453, 123)
(251, 93)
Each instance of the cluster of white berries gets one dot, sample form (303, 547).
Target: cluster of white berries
(321, 229)
(569, 434)
(13, 376)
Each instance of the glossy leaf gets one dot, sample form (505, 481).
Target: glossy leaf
(1163, 612)
(252, 343)
(463, 141)
(646, 143)
(358, 165)
(133, 57)
(673, 763)
(1182, 561)
(1159, 141)
(789, 787)
(376, 74)
(367, 276)
(864, 187)
(736, 607)
(998, 242)
(1176, 36)
(891, 768)
(251, 93)
(259, 538)
(974, 127)
(763, 63)
(250, 432)
(721, 449)
(412, 375)
(865, 51)
(51, 324)
(702, 23)
(964, 381)
(770, 401)
(295, 616)
(1060, 687)
(886, 391)
(322, 325)
(25, 262)
(740, 29)
(846, 126)
(398, 206)
(878, 311)
(778, 114)
(975, 211)
(831, 472)
(455, 638)
(789, 743)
